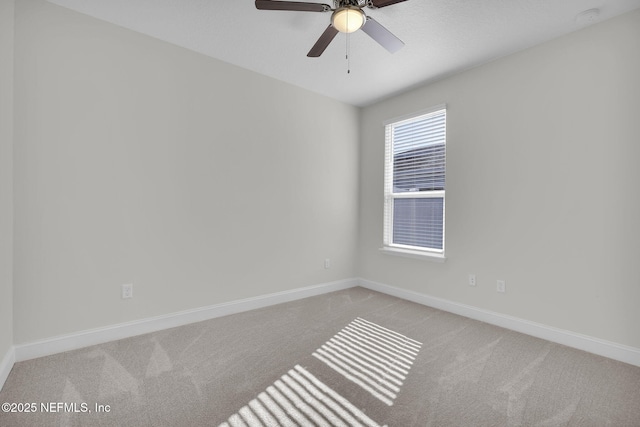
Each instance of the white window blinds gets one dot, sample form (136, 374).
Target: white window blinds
(415, 182)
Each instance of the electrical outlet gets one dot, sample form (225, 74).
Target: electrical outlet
(502, 286)
(472, 280)
(327, 263)
(127, 291)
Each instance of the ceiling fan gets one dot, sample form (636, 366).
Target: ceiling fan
(347, 17)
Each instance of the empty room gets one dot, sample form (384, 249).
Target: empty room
(347, 213)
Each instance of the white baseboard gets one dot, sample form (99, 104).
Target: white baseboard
(597, 346)
(129, 329)
(5, 366)
(87, 338)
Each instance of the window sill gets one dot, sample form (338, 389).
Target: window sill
(408, 253)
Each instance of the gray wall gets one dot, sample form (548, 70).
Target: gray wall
(137, 161)
(542, 184)
(6, 176)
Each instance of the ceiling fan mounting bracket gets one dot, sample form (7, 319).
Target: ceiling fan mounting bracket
(337, 4)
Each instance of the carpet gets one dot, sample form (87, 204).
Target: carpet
(349, 358)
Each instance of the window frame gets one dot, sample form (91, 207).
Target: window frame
(388, 246)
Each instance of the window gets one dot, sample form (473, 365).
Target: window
(414, 184)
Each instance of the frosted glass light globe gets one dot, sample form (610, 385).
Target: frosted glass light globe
(348, 19)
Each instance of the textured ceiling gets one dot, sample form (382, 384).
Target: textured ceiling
(442, 37)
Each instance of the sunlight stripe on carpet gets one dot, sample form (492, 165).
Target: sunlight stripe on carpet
(374, 357)
(299, 399)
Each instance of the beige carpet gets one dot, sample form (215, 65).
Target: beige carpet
(349, 358)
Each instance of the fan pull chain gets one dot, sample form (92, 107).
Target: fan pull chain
(348, 50)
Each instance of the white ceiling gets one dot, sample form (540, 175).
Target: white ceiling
(442, 37)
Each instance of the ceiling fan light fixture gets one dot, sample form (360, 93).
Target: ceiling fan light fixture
(348, 19)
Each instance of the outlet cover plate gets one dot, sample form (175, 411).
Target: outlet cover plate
(472, 280)
(127, 290)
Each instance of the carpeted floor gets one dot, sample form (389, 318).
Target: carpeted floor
(349, 358)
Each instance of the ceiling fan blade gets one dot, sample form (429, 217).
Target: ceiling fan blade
(322, 43)
(291, 5)
(384, 3)
(383, 36)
